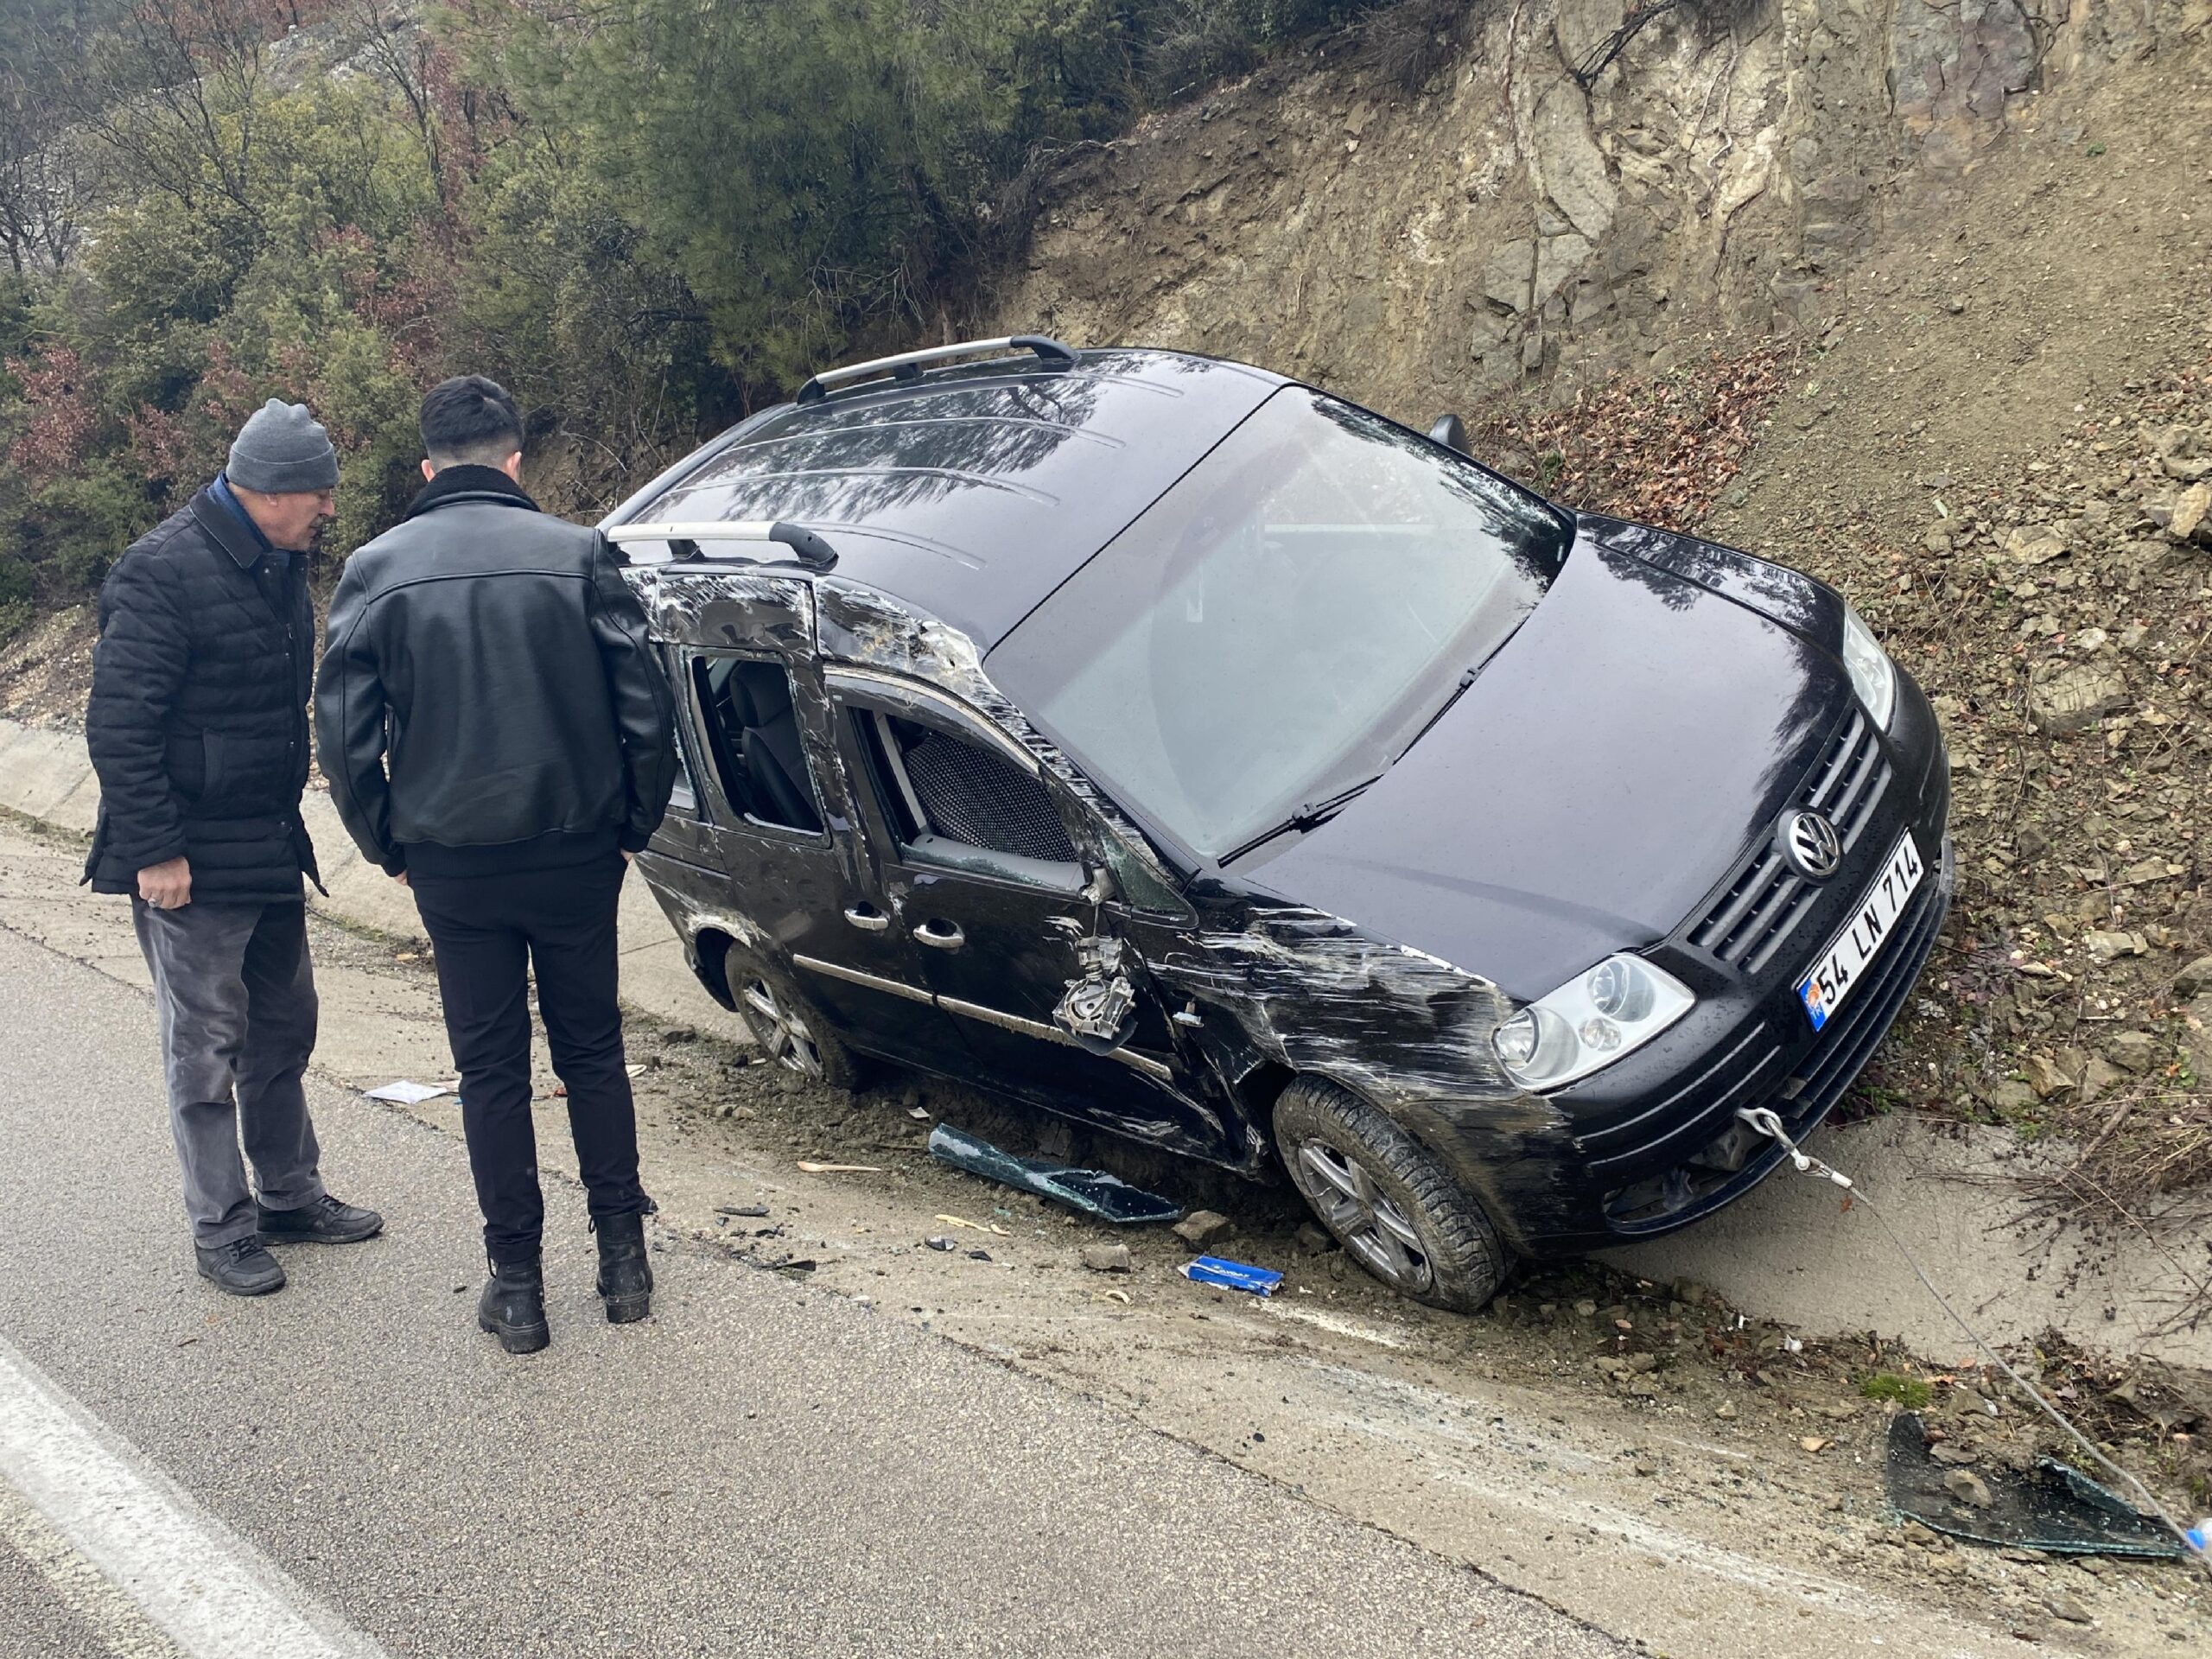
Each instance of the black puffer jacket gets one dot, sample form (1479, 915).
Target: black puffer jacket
(487, 689)
(198, 719)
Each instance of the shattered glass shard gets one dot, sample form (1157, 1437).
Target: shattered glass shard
(2051, 1507)
(1094, 1191)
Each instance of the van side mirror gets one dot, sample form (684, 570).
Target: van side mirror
(1450, 431)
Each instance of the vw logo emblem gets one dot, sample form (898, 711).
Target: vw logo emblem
(1810, 845)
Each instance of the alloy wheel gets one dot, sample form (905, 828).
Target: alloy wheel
(782, 1032)
(1356, 1209)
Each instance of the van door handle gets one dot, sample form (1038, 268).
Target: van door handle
(940, 935)
(868, 918)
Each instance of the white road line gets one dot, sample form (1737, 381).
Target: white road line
(209, 1592)
(125, 1632)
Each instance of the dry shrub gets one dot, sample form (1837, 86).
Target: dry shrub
(1657, 449)
(1407, 44)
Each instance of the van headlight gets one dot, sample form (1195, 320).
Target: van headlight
(1589, 1022)
(1873, 676)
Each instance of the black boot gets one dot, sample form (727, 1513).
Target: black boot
(512, 1307)
(625, 1278)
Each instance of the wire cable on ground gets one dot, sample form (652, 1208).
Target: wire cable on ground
(1767, 1122)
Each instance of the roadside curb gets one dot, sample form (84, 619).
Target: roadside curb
(46, 775)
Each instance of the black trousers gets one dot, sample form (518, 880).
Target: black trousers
(561, 922)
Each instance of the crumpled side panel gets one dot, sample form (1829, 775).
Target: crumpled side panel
(1315, 994)
(723, 606)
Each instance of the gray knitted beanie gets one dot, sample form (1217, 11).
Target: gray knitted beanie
(283, 450)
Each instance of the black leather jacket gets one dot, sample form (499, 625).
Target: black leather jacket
(486, 684)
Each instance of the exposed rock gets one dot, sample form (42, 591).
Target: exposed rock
(2106, 945)
(2191, 511)
(1508, 272)
(2098, 1076)
(2067, 1607)
(1202, 1227)
(2045, 1077)
(1569, 166)
(2074, 699)
(1969, 1488)
(2197, 977)
(2036, 544)
(2196, 1038)
(1558, 257)
(1106, 1258)
(2133, 1050)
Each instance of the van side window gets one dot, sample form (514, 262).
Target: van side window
(751, 731)
(949, 800)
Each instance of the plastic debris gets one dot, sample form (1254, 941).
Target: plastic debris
(839, 1169)
(2051, 1507)
(979, 1226)
(1094, 1191)
(1231, 1276)
(403, 1093)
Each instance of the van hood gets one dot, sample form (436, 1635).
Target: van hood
(1597, 780)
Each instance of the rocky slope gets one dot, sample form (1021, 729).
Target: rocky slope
(1496, 221)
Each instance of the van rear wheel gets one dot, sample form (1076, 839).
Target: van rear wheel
(1393, 1206)
(791, 1030)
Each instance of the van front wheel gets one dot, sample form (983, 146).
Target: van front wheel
(1396, 1210)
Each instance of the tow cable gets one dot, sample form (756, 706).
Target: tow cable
(1765, 1120)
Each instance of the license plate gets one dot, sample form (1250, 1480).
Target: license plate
(1844, 964)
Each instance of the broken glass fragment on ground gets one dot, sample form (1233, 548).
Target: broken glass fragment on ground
(1231, 1276)
(1094, 1191)
(2051, 1507)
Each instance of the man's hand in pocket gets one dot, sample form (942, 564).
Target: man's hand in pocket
(167, 886)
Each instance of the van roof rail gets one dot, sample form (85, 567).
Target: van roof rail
(908, 366)
(686, 538)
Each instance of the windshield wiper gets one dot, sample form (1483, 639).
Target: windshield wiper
(1466, 678)
(1312, 816)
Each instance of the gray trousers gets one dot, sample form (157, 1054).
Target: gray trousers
(236, 993)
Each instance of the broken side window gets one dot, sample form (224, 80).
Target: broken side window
(685, 796)
(965, 805)
(752, 733)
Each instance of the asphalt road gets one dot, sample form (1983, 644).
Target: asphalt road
(758, 1469)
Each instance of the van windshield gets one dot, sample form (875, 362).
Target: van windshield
(1283, 623)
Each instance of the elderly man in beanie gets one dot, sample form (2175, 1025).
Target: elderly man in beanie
(497, 737)
(198, 729)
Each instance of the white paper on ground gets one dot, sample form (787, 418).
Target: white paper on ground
(403, 1093)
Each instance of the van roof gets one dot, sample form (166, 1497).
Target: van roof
(969, 493)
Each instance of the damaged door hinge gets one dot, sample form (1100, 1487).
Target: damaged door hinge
(1100, 1008)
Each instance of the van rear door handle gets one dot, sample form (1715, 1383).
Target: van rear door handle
(868, 918)
(940, 935)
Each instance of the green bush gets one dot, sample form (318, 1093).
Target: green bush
(649, 222)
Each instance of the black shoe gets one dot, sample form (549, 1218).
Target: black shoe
(240, 1268)
(625, 1278)
(319, 1221)
(513, 1306)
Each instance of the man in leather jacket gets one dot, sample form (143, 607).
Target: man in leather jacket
(497, 738)
(198, 729)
